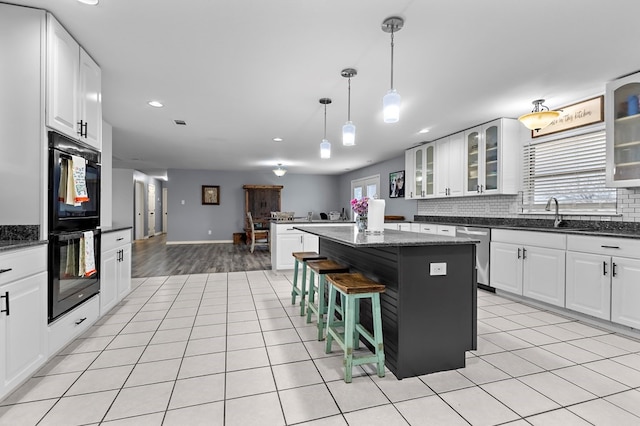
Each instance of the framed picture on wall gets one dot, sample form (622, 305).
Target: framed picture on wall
(210, 195)
(396, 184)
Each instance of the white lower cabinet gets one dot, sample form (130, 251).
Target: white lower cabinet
(115, 274)
(603, 278)
(530, 264)
(23, 316)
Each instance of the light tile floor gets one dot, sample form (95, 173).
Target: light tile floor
(229, 349)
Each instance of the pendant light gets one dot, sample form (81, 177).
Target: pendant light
(349, 130)
(391, 101)
(279, 171)
(325, 145)
(540, 117)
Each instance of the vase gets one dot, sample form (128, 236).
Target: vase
(361, 223)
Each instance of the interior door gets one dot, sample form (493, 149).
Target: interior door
(151, 195)
(164, 210)
(139, 206)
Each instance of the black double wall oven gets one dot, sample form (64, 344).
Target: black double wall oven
(74, 221)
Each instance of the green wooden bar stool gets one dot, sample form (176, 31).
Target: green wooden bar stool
(302, 257)
(320, 268)
(353, 287)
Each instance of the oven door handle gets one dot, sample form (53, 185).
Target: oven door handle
(66, 236)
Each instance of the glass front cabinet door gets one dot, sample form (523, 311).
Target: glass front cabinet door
(419, 171)
(493, 158)
(622, 118)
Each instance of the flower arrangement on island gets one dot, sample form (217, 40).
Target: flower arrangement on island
(361, 206)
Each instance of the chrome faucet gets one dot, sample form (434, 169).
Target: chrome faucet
(558, 219)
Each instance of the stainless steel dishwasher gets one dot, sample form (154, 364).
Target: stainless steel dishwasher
(482, 251)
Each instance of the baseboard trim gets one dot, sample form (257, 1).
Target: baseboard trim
(200, 242)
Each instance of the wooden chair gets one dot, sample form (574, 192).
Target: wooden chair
(256, 236)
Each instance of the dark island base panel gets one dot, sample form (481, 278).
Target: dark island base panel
(428, 322)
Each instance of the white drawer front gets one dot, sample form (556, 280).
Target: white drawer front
(530, 238)
(21, 263)
(447, 230)
(624, 247)
(288, 229)
(72, 324)
(429, 228)
(111, 240)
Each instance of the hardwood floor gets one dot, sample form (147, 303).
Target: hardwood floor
(153, 257)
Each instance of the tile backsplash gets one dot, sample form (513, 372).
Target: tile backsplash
(628, 207)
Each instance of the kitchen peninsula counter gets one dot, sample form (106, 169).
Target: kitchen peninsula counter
(429, 306)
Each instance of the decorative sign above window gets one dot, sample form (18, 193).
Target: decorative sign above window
(576, 115)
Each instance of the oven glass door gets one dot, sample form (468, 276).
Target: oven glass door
(74, 276)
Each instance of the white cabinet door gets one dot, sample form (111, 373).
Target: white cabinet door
(506, 267)
(23, 329)
(449, 164)
(62, 79)
(108, 281)
(124, 272)
(544, 271)
(310, 242)
(625, 291)
(588, 284)
(287, 244)
(404, 227)
(90, 101)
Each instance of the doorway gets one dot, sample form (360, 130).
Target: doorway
(164, 210)
(365, 187)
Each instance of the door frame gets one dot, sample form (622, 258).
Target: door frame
(139, 209)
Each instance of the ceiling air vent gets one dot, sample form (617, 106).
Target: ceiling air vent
(180, 122)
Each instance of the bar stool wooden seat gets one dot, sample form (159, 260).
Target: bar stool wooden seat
(320, 268)
(352, 288)
(301, 257)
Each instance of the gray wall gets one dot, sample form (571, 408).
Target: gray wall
(122, 201)
(393, 206)
(191, 221)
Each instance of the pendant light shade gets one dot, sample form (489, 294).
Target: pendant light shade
(325, 145)
(540, 117)
(349, 130)
(391, 101)
(279, 171)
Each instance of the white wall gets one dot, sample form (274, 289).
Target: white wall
(122, 197)
(106, 175)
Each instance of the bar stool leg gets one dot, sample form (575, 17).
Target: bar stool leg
(303, 288)
(377, 332)
(312, 297)
(295, 282)
(331, 317)
(349, 329)
(321, 307)
(356, 320)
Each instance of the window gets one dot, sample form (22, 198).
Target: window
(365, 187)
(570, 169)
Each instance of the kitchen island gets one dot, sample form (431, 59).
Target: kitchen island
(429, 306)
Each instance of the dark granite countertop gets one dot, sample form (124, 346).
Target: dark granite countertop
(298, 221)
(6, 245)
(350, 236)
(577, 227)
(114, 228)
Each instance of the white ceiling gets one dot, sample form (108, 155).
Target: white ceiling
(242, 72)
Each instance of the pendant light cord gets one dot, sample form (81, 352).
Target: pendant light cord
(392, 44)
(325, 121)
(349, 102)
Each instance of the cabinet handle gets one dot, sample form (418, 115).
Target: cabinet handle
(604, 268)
(613, 269)
(6, 296)
(613, 247)
(84, 129)
(518, 252)
(2, 271)
(478, 189)
(120, 239)
(81, 320)
(411, 194)
(524, 253)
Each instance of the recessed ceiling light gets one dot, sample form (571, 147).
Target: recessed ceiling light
(155, 104)
(89, 2)
(425, 130)
(278, 139)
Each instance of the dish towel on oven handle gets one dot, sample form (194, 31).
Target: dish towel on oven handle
(79, 181)
(87, 255)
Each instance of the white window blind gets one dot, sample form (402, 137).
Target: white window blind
(572, 170)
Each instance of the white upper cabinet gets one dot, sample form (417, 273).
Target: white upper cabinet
(449, 163)
(492, 158)
(419, 172)
(622, 120)
(74, 91)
